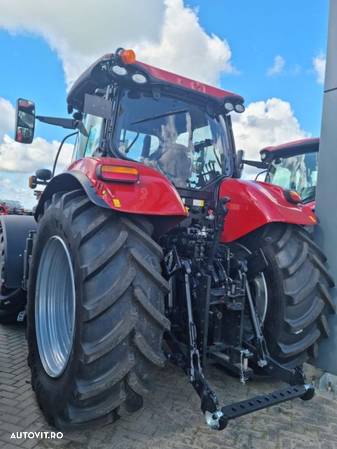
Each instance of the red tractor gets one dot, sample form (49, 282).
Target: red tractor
(4, 209)
(292, 166)
(150, 248)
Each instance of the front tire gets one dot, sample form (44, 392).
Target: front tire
(118, 320)
(298, 284)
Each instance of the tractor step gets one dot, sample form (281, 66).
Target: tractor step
(260, 402)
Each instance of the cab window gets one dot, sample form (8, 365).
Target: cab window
(87, 145)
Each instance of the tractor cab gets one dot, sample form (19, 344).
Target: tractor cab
(173, 124)
(293, 166)
(131, 111)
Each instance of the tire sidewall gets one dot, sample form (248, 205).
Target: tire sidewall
(261, 240)
(54, 391)
(276, 303)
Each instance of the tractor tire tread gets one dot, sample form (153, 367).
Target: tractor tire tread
(121, 314)
(298, 289)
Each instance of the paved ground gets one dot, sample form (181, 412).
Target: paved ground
(170, 418)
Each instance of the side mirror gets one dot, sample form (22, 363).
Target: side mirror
(44, 174)
(24, 121)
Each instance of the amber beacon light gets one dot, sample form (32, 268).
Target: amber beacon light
(128, 56)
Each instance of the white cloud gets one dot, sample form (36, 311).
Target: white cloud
(277, 67)
(319, 63)
(6, 117)
(164, 32)
(21, 158)
(81, 30)
(264, 123)
(18, 161)
(13, 188)
(186, 48)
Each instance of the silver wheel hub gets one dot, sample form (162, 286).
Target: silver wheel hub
(55, 306)
(260, 293)
(258, 287)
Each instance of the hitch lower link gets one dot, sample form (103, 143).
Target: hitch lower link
(216, 417)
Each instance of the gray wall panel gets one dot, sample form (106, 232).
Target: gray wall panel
(326, 233)
(331, 73)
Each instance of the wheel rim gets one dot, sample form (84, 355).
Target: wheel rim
(55, 304)
(260, 295)
(258, 286)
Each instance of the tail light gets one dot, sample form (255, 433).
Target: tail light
(118, 173)
(292, 196)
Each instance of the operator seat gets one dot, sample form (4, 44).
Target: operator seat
(174, 160)
(176, 164)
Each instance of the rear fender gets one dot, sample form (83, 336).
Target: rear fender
(15, 230)
(254, 204)
(151, 195)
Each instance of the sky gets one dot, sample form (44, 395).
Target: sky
(271, 53)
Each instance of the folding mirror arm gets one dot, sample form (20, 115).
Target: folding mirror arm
(257, 164)
(67, 123)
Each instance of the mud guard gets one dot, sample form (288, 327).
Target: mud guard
(254, 204)
(15, 230)
(152, 195)
(67, 181)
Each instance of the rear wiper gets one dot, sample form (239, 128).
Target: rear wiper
(154, 117)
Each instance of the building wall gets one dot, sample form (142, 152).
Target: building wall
(326, 233)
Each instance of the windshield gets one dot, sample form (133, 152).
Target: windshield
(182, 140)
(296, 173)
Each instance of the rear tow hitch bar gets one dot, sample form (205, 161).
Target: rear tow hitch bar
(218, 420)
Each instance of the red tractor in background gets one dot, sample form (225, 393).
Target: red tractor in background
(150, 248)
(4, 209)
(292, 166)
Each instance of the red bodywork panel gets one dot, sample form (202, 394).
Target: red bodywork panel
(152, 194)
(311, 206)
(96, 76)
(254, 204)
(187, 83)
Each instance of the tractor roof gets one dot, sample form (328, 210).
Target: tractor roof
(100, 74)
(289, 149)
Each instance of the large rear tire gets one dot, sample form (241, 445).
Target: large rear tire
(113, 332)
(298, 284)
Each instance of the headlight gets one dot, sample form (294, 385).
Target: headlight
(229, 106)
(118, 70)
(239, 108)
(139, 78)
